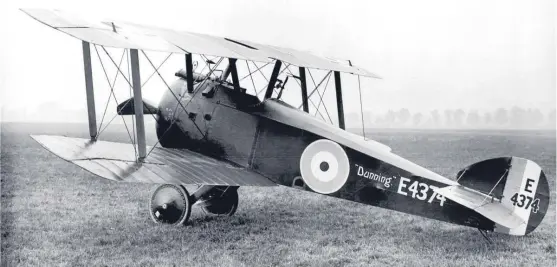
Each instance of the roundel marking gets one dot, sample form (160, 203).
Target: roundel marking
(324, 166)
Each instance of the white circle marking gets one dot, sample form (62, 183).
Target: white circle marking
(331, 160)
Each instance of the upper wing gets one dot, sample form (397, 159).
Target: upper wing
(116, 161)
(129, 35)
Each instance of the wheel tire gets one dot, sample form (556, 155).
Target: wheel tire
(170, 204)
(227, 204)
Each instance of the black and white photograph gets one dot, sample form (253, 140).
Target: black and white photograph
(278, 133)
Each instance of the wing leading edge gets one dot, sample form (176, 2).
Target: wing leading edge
(130, 35)
(116, 161)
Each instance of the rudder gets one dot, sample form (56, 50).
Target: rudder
(519, 183)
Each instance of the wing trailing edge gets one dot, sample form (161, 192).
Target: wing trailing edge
(117, 161)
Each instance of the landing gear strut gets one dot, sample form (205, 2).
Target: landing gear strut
(171, 204)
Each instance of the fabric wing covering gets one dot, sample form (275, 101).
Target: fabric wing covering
(116, 161)
(135, 36)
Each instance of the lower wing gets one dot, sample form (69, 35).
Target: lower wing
(117, 161)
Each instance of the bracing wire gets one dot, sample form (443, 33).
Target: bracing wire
(362, 109)
(184, 107)
(311, 101)
(252, 82)
(252, 72)
(168, 86)
(265, 77)
(112, 88)
(129, 84)
(317, 90)
(321, 98)
(109, 96)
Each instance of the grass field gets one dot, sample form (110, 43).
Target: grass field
(56, 214)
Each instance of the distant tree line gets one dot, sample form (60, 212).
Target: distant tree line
(515, 117)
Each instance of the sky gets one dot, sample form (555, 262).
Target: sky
(473, 55)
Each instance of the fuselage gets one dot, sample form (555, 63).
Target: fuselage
(269, 137)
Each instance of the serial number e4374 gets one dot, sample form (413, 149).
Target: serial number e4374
(419, 190)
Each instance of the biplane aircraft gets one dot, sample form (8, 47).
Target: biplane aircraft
(214, 133)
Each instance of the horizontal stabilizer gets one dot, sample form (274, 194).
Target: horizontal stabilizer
(482, 204)
(513, 192)
(116, 161)
(127, 108)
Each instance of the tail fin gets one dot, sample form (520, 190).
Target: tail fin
(512, 192)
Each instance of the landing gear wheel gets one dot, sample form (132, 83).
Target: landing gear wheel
(219, 202)
(170, 204)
